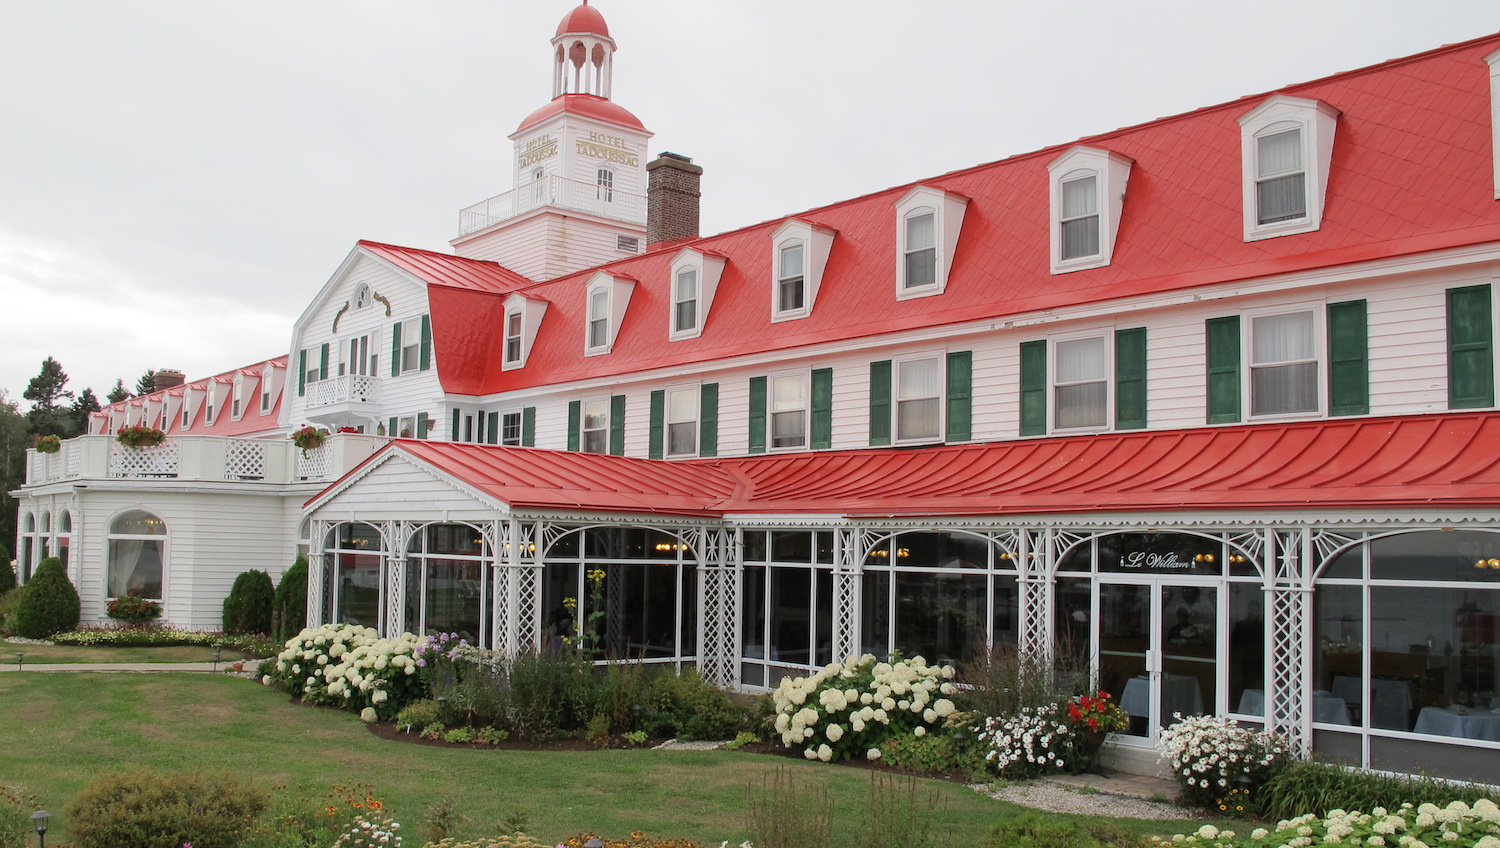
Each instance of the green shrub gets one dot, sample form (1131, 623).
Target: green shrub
(290, 603)
(148, 809)
(15, 818)
(1030, 830)
(689, 707)
(417, 714)
(939, 752)
(248, 607)
(8, 602)
(549, 694)
(1307, 786)
(50, 604)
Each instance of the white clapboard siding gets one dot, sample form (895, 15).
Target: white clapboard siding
(400, 490)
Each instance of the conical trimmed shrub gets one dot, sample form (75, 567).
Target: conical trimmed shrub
(291, 601)
(248, 607)
(49, 605)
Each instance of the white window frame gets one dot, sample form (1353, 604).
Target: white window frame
(947, 211)
(531, 311)
(616, 291)
(506, 420)
(265, 392)
(1494, 62)
(597, 334)
(805, 378)
(411, 341)
(605, 182)
(939, 360)
(1280, 113)
(681, 300)
(236, 400)
(187, 408)
(1054, 381)
(357, 355)
(692, 422)
(601, 432)
(816, 242)
(313, 357)
(790, 280)
(406, 427)
(1319, 358)
(208, 412)
(362, 296)
(515, 321)
(1111, 173)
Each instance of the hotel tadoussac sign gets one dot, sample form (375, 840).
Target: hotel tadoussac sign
(608, 147)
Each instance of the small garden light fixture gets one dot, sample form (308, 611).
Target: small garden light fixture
(39, 818)
(218, 649)
(19, 657)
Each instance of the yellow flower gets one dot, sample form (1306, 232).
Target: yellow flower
(570, 603)
(596, 575)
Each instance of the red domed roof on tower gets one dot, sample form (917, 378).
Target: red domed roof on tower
(585, 18)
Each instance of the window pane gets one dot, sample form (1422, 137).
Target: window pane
(917, 419)
(1080, 197)
(1081, 359)
(593, 441)
(1284, 388)
(510, 429)
(682, 438)
(920, 379)
(598, 305)
(1081, 405)
(786, 393)
(682, 405)
(789, 296)
(787, 429)
(133, 523)
(1279, 153)
(791, 261)
(686, 315)
(135, 567)
(919, 232)
(687, 284)
(1080, 237)
(921, 268)
(595, 415)
(597, 334)
(454, 592)
(1283, 338)
(1281, 198)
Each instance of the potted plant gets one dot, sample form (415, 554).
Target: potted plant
(1094, 716)
(134, 610)
(309, 438)
(140, 436)
(47, 444)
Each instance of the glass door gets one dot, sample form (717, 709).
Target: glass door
(1158, 650)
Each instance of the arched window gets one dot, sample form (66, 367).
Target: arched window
(64, 536)
(137, 555)
(26, 556)
(445, 585)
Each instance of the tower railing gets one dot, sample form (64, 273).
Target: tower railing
(558, 193)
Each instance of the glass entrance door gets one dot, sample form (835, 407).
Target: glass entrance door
(1158, 650)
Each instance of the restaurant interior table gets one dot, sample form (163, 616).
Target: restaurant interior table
(1459, 723)
(1179, 694)
(1327, 707)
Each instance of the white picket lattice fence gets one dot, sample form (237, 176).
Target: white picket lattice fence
(149, 461)
(245, 459)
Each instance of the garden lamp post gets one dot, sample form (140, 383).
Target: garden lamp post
(218, 648)
(39, 818)
(19, 657)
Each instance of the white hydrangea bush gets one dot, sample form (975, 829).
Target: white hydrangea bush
(353, 668)
(1208, 755)
(851, 708)
(1457, 825)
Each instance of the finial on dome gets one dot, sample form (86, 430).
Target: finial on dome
(582, 53)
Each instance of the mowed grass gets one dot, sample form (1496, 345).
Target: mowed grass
(62, 729)
(105, 654)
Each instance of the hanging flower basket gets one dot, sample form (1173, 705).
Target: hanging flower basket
(309, 438)
(140, 437)
(47, 444)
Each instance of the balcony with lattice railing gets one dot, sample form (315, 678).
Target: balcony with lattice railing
(558, 193)
(209, 459)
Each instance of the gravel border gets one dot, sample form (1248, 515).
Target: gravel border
(1055, 798)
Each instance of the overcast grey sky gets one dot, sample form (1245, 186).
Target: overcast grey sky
(179, 177)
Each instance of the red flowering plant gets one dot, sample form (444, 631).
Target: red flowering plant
(140, 436)
(309, 438)
(46, 444)
(134, 610)
(1098, 713)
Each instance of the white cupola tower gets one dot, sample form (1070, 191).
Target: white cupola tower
(580, 169)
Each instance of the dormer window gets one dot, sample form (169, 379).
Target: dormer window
(265, 393)
(1286, 147)
(187, 411)
(685, 301)
(513, 337)
(928, 221)
(695, 279)
(523, 315)
(607, 298)
(801, 253)
(235, 406)
(1087, 197)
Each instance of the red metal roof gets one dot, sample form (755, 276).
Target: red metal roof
(587, 105)
(251, 421)
(448, 270)
(1411, 172)
(1450, 460)
(583, 19)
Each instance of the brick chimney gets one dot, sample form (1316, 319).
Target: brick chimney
(168, 378)
(671, 199)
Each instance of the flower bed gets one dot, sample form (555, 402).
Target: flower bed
(351, 667)
(159, 636)
(1209, 756)
(1428, 826)
(850, 709)
(133, 610)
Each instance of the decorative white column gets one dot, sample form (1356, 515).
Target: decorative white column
(1289, 625)
(717, 553)
(317, 576)
(850, 545)
(393, 534)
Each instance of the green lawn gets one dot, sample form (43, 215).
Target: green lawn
(61, 729)
(106, 654)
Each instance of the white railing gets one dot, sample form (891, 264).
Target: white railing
(273, 459)
(555, 191)
(350, 388)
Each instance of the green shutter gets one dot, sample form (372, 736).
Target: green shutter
(323, 362)
(822, 408)
(302, 372)
(422, 424)
(960, 395)
(658, 413)
(492, 425)
(708, 420)
(1033, 388)
(528, 427)
(880, 403)
(1223, 358)
(1130, 378)
(453, 434)
(1348, 358)
(396, 349)
(617, 425)
(426, 352)
(757, 414)
(391, 429)
(575, 419)
(1471, 360)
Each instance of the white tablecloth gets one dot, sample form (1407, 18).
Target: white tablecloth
(1179, 694)
(1391, 707)
(1444, 722)
(1327, 708)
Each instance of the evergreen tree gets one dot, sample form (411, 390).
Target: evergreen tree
(248, 607)
(49, 605)
(14, 440)
(118, 393)
(147, 383)
(49, 414)
(87, 402)
(7, 574)
(291, 601)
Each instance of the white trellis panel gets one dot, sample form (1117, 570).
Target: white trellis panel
(148, 461)
(245, 459)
